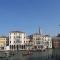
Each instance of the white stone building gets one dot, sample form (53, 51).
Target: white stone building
(17, 40)
(48, 39)
(28, 43)
(41, 41)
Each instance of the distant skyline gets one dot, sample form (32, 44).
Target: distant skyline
(29, 15)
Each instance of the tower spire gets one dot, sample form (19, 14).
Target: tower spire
(39, 31)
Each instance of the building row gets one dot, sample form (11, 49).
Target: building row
(18, 40)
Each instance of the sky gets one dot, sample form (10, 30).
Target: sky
(29, 15)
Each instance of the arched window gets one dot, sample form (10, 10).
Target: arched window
(10, 41)
(14, 46)
(22, 46)
(17, 47)
(10, 46)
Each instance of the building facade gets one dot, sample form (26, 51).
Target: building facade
(17, 40)
(48, 39)
(56, 42)
(28, 43)
(41, 41)
(3, 42)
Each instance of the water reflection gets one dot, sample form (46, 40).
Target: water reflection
(50, 54)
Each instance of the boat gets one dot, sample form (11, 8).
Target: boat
(26, 53)
(43, 49)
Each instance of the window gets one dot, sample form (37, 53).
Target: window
(24, 37)
(38, 42)
(14, 33)
(18, 41)
(10, 46)
(14, 41)
(24, 41)
(14, 37)
(10, 41)
(38, 39)
(39, 46)
(14, 46)
(17, 36)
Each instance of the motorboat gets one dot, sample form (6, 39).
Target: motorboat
(27, 53)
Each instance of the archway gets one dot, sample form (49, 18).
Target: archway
(17, 47)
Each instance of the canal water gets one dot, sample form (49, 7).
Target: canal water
(49, 54)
